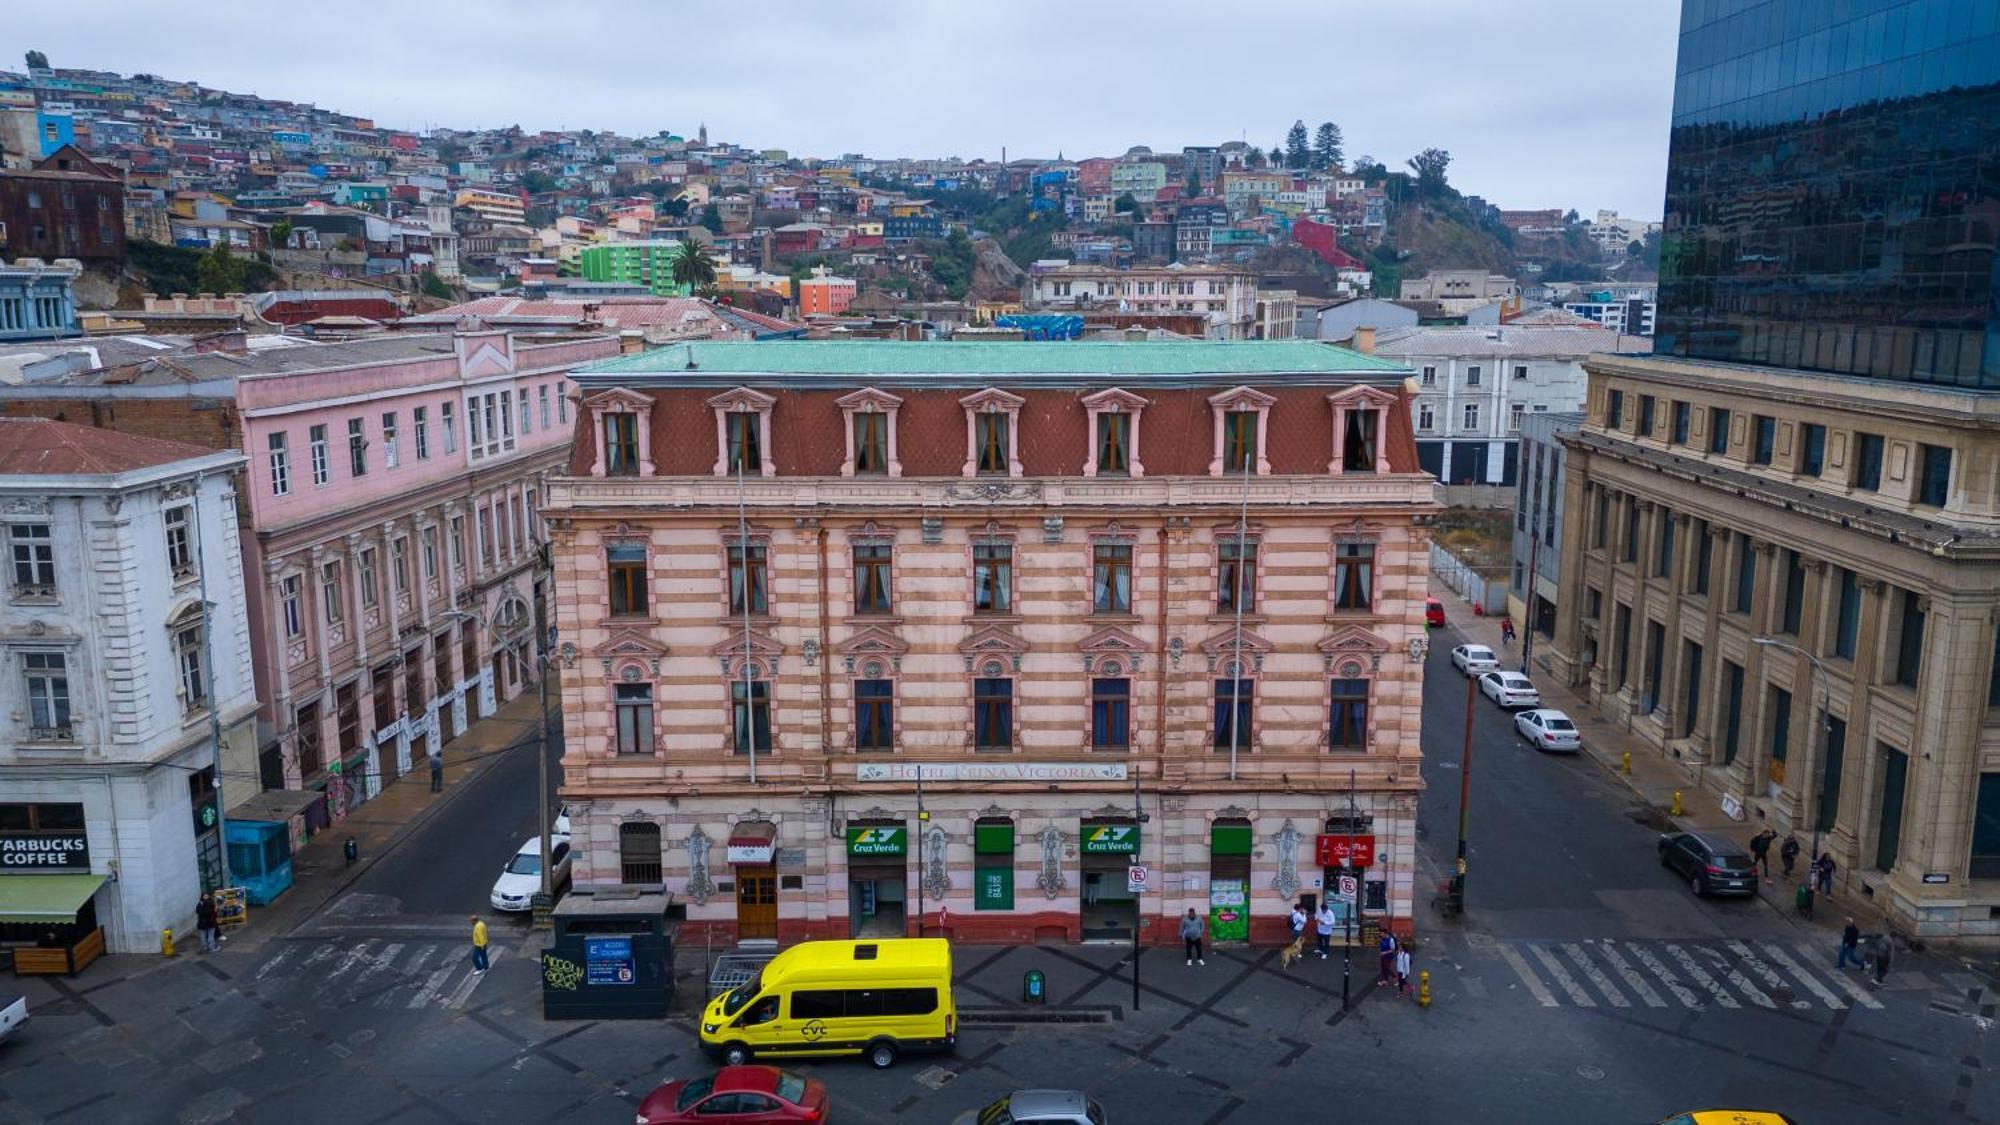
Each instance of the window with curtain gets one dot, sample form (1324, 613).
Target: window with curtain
(1232, 713)
(1354, 576)
(990, 435)
(749, 706)
(1114, 443)
(1239, 441)
(621, 445)
(626, 567)
(871, 443)
(634, 705)
(1111, 578)
(872, 578)
(1347, 726)
(992, 578)
(993, 713)
(748, 583)
(1236, 576)
(874, 714)
(745, 442)
(1111, 714)
(1358, 444)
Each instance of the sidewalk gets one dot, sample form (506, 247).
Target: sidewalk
(320, 867)
(1655, 777)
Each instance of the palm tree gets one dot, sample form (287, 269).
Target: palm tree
(693, 267)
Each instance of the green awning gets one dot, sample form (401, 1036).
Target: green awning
(45, 898)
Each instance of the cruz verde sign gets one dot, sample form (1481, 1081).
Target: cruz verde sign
(1113, 839)
(878, 841)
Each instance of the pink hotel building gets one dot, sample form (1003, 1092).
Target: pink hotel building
(395, 548)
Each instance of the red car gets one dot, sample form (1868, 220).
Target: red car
(749, 1095)
(1433, 613)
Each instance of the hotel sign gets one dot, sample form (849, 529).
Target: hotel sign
(45, 851)
(1039, 772)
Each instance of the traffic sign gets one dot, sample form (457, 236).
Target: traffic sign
(1348, 887)
(1135, 878)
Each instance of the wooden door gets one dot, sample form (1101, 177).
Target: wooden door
(756, 902)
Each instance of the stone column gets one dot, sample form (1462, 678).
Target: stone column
(279, 648)
(1944, 749)
(1857, 773)
(1673, 689)
(391, 606)
(1715, 542)
(1565, 656)
(360, 615)
(1748, 775)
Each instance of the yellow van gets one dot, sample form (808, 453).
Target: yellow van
(874, 998)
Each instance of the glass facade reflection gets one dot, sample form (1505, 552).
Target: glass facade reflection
(1833, 188)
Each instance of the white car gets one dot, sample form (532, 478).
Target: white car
(521, 879)
(1510, 689)
(13, 1014)
(1474, 660)
(561, 826)
(1548, 729)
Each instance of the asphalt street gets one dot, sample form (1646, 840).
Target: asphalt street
(1585, 984)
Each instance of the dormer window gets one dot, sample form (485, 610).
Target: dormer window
(743, 433)
(1240, 417)
(1360, 421)
(871, 433)
(621, 421)
(992, 443)
(1114, 429)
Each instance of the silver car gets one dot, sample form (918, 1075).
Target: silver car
(1545, 728)
(1053, 1107)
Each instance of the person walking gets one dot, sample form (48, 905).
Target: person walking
(479, 961)
(1881, 958)
(1403, 971)
(1823, 867)
(1850, 941)
(1802, 899)
(1760, 851)
(437, 770)
(205, 921)
(1507, 632)
(1386, 949)
(1191, 927)
(1788, 853)
(1299, 923)
(1323, 929)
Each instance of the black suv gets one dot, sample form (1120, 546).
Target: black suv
(1710, 864)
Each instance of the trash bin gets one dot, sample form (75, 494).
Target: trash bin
(1034, 988)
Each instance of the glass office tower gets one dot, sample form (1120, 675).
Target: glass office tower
(1833, 188)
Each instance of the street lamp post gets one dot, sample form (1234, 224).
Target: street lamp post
(1825, 732)
(1464, 801)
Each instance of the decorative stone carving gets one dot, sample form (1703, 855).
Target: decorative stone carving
(1287, 839)
(933, 529)
(937, 877)
(178, 490)
(1419, 646)
(810, 649)
(1052, 529)
(29, 506)
(1176, 648)
(993, 490)
(1051, 879)
(699, 885)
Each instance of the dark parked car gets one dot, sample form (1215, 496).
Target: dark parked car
(1710, 864)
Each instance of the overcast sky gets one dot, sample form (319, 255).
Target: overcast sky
(1541, 103)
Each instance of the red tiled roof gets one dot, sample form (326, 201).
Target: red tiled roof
(43, 447)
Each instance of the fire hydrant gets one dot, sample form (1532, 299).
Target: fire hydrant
(166, 943)
(1424, 989)
(1676, 810)
(1627, 767)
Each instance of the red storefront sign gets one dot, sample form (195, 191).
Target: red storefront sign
(1345, 851)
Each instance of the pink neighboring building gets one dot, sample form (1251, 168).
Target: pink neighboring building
(393, 492)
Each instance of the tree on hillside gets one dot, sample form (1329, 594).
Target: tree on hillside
(711, 219)
(537, 182)
(1369, 168)
(1194, 183)
(37, 60)
(1276, 157)
(693, 267)
(1253, 157)
(433, 286)
(1298, 154)
(1430, 165)
(281, 234)
(1124, 204)
(219, 271)
(1326, 146)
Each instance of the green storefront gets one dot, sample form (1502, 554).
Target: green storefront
(1229, 846)
(878, 865)
(993, 865)
(1108, 911)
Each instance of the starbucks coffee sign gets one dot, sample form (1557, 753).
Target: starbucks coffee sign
(66, 850)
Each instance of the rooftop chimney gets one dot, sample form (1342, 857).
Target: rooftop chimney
(1364, 340)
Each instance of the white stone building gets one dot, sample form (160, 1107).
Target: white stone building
(111, 695)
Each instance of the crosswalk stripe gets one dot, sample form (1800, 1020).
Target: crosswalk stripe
(464, 990)
(431, 987)
(354, 957)
(1562, 978)
(1666, 976)
(379, 964)
(1849, 985)
(1595, 975)
(1631, 976)
(1699, 976)
(320, 954)
(1529, 980)
(422, 955)
(1804, 977)
(1772, 981)
(1727, 970)
(265, 969)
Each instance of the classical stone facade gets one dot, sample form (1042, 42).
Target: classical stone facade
(1009, 568)
(1854, 526)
